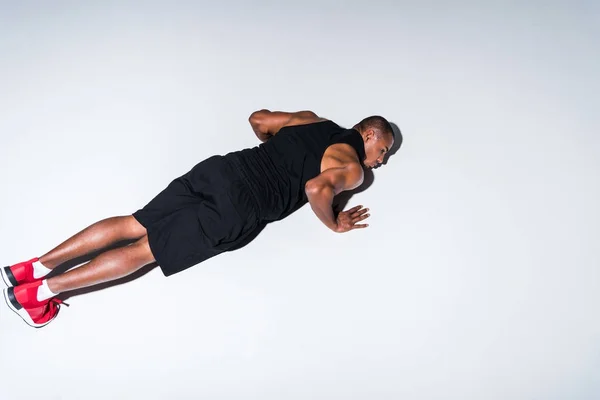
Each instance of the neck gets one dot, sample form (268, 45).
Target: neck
(357, 128)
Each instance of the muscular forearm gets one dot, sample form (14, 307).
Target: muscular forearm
(321, 200)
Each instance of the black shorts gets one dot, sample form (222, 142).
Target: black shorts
(203, 213)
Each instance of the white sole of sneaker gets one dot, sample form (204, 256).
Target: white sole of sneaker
(21, 312)
(5, 277)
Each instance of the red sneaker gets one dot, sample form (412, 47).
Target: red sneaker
(23, 300)
(19, 273)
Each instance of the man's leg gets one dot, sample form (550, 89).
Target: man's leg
(108, 266)
(95, 237)
(35, 302)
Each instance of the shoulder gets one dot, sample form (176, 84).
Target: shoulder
(344, 157)
(344, 152)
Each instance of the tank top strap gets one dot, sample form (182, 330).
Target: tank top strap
(353, 138)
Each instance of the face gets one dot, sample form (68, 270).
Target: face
(376, 148)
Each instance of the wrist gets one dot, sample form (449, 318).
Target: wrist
(335, 227)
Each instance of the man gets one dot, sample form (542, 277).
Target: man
(214, 207)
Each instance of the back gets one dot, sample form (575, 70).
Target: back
(278, 169)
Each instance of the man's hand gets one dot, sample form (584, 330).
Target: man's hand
(348, 220)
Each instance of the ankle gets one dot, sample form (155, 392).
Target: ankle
(48, 262)
(40, 270)
(54, 286)
(44, 292)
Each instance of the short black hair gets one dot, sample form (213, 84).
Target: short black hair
(377, 123)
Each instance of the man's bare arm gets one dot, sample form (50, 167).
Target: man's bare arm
(323, 188)
(267, 123)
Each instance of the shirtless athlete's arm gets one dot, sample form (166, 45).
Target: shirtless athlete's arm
(267, 123)
(341, 171)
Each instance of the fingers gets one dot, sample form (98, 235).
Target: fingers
(358, 210)
(360, 218)
(360, 226)
(354, 209)
(359, 213)
(354, 215)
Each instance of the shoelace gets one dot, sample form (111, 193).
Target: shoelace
(56, 303)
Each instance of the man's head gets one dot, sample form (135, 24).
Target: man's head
(378, 136)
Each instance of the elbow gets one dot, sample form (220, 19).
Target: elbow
(310, 188)
(314, 189)
(257, 118)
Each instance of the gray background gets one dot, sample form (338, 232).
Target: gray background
(477, 279)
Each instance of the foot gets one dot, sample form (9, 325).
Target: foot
(23, 300)
(19, 273)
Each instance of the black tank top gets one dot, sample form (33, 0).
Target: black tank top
(278, 169)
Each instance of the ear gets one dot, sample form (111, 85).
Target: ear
(370, 134)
